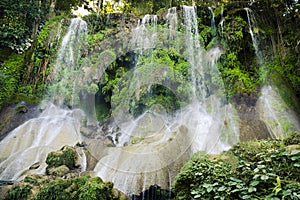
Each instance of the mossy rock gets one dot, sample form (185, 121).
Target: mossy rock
(58, 171)
(83, 188)
(118, 194)
(66, 156)
(19, 192)
(21, 108)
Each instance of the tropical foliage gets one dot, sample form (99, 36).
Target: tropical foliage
(253, 170)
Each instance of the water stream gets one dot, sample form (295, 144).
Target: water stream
(279, 118)
(57, 125)
(153, 146)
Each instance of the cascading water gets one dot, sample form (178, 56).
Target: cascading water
(172, 22)
(143, 38)
(55, 127)
(194, 51)
(212, 23)
(63, 89)
(253, 30)
(151, 147)
(271, 108)
(154, 144)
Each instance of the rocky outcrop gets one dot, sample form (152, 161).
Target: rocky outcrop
(63, 179)
(251, 127)
(15, 115)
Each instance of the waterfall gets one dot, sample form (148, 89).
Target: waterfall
(63, 88)
(222, 20)
(271, 108)
(32, 141)
(152, 146)
(212, 21)
(55, 127)
(172, 22)
(144, 38)
(254, 35)
(194, 51)
(154, 143)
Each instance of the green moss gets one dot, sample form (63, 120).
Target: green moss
(78, 188)
(9, 77)
(19, 192)
(66, 156)
(55, 190)
(292, 138)
(30, 180)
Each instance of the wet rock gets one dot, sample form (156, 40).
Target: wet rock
(88, 173)
(86, 131)
(81, 144)
(35, 165)
(21, 107)
(253, 129)
(10, 118)
(67, 156)
(119, 195)
(118, 135)
(4, 191)
(58, 171)
(109, 142)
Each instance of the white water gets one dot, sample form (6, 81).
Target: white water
(212, 23)
(172, 21)
(63, 88)
(194, 56)
(32, 141)
(144, 38)
(55, 127)
(253, 30)
(279, 118)
(157, 143)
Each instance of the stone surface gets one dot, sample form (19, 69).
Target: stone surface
(11, 117)
(58, 171)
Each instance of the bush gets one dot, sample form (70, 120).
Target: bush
(266, 169)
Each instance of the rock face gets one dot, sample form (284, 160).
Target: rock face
(251, 126)
(15, 115)
(280, 117)
(265, 115)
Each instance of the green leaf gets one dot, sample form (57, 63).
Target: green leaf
(251, 189)
(209, 189)
(264, 177)
(286, 193)
(297, 164)
(235, 180)
(256, 176)
(254, 183)
(294, 152)
(295, 158)
(246, 196)
(222, 188)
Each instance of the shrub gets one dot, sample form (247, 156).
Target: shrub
(267, 169)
